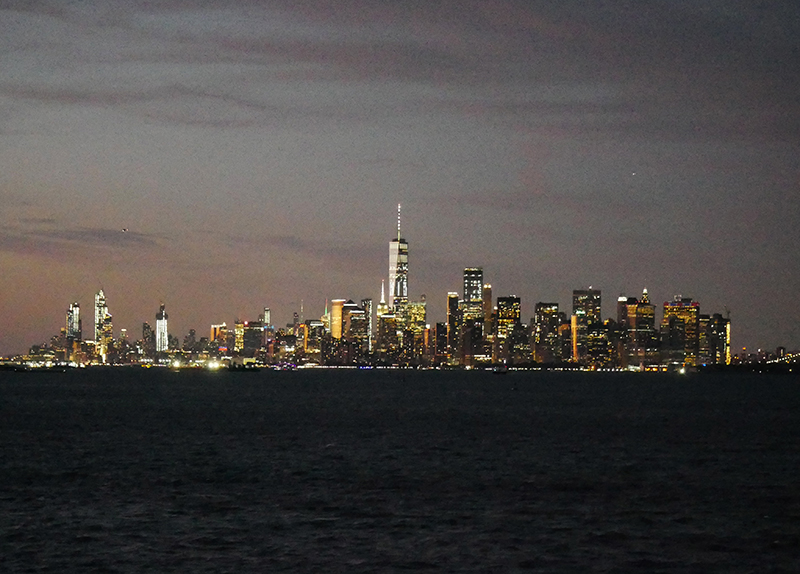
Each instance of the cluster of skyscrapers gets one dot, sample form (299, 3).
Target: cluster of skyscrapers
(478, 330)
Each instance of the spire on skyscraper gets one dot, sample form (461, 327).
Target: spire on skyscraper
(398, 270)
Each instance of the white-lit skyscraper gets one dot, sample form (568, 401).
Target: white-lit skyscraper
(398, 270)
(473, 285)
(162, 335)
(74, 322)
(103, 329)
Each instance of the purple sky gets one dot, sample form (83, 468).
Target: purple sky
(256, 151)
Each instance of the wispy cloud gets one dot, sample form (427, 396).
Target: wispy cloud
(58, 242)
(573, 67)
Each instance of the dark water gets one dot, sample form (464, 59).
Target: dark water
(133, 470)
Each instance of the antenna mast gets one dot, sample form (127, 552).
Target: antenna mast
(398, 222)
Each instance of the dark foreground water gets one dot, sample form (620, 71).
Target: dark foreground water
(342, 471)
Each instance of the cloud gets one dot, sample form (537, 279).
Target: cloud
(60, 242)
(718, 71)
(99, 237)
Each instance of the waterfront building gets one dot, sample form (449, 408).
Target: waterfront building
(238, 336)
(714, 340)
(398, 272)
(546, 321)
(252, 338)
(508, 315)
(488, 315)
(637, 323)
(162, 334)
(74, 328)
(218, 337)
(507, 318)
(680, 330)
(473, 285)
(413, 339)
(366, 304)
(103, 326)
(312, 342)
(148, 341)
(337, 306)
(383, 306)
(453, 326)
(440, 343)
(586, 305)
(387, 343)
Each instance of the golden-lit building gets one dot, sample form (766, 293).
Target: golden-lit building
(238, 336)
(508, 315)
(337, 306)
(680, 335)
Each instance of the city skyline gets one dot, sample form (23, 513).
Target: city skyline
(222, 157)
(585, 304)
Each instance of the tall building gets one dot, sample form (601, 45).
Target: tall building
(680, 341)
(453, 326)
(585, 312)
(74, 322)
(383, 307)
(714, 340)
(488, 307)
(218, 337)
(473, 285)
(546, 321)
(508, 315)
(267, 317)
(238, 336)
(103, 327)
(588, 301)
(148, 341)
(366, 304)
(252, 338)
(413, 339)
(337, 306)
(162, 334)
(637, 321)
(398, 271)
(472, 303)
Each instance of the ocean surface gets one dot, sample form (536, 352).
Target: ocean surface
(147, 470)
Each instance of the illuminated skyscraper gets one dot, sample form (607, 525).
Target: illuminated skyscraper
(585, 312)
(714, 340)
(546, 322)
(453, 326)
(162, 336)
(238, 336)
(472, 304)
(383, 307)
(103, 327)
(218, 337)
(680, 331)
(587, 300)
(473, 285)
(637, 320)
(100, 311)
(74, 322)
(398, 271)
(508, 315)
(337, 306)
(148, 341)
(366, 304)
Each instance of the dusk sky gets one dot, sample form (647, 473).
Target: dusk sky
(256, 152)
